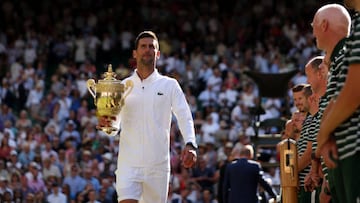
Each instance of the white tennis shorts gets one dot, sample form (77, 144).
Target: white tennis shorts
(147, 185)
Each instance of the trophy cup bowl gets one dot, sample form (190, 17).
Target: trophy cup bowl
(109, 96)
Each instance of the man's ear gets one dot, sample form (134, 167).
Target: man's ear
(323, 72)
(324, 25)
(134, 54)
(158, 55)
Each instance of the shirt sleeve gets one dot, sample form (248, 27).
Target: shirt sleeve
(183, 115)
(353, 42)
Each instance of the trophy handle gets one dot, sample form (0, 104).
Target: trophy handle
(91, 87)
(129, 85)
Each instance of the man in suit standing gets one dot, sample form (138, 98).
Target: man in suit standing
(242, 177)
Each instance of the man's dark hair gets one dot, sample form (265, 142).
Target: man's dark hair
(303, 87)
(315, 62)
(307, 91)
(145, 34)
(298, 88)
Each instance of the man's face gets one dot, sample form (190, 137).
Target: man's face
(146, 53)
(289, 130)
(300, 101)
(312, 77)
(298, 119)
(317, 32)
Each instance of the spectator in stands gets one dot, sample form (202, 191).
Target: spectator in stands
(26, 155)
(50, 169)
(56, 195)
(5, 149)
(203, 175)
(89, 178)
(75, 181)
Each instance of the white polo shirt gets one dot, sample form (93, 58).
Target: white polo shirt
(146, 119)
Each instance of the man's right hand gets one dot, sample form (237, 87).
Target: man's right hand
(105, 121)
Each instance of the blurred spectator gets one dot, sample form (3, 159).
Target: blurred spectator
(92, 197)
(70, 133)
(75, 181)
(211, 155)
(7, 197)
(26, 155)
(14, 182)
(207, 97)
(3, 172)
(215, 80)
(239, 113)
(48, 151)
(51, 170)
(7, 95)
(203, 175)
(14, 162)
(66, 190)
(23, 122)
(173, 197)
(106, 191)
(80, 198)
(208, 129)
(88, 177)
(207, 197)
(36, 183)
(5, 149)
(248, 96)
(56, 195)
(18, 196)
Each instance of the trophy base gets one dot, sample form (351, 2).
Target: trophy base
(109, 130)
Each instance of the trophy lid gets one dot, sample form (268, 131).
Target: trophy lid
(110, 75)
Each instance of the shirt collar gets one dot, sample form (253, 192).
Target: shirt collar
(337, 48)
(152, 77)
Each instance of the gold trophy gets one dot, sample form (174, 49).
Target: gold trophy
(109, 96)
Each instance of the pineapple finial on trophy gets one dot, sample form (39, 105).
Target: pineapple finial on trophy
(109, 75)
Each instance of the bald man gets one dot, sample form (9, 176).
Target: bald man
(242, 177)
(338, 139)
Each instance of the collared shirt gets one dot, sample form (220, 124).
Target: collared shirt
(57, 198)
(337, 62)
(306, 135)
(146, 119)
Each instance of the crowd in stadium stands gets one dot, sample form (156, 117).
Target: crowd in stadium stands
(48, 50)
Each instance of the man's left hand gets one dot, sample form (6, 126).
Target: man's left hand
(329, 153)
(188, 157)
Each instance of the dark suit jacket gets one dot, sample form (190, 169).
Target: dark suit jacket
(241, 181)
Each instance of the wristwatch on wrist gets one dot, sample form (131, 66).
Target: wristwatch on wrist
(192, 145)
